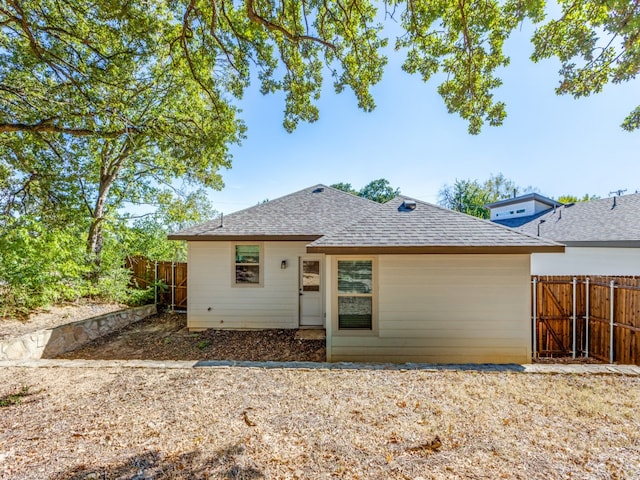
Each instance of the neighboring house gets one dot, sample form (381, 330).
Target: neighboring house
(516, 208)
(602, 236)
(402, 281)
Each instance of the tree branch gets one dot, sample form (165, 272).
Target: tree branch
(295, 38)
(46, 127)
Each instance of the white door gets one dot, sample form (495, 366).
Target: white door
(310, 292)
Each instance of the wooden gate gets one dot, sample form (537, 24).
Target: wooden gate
(168, 278)
(587, 316)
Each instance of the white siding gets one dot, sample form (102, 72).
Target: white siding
(509, 211)
(540, 207)
(214, 302)
(519, 209)
(587, 261)
(446, 309)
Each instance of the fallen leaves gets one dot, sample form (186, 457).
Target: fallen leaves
(164, 337)
(247, 420)
(429, 447)
(287, 423)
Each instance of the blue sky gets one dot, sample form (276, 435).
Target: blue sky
(556, 144)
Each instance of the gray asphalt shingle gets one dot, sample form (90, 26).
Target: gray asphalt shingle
(427, 225)
(311, 212)
(592, 221)
(332, 218)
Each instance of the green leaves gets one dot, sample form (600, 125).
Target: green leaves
(597, 42)
(39, 265)
(466, 196)
(464, 40)
(379, 190)
(77, 69)
(471, 196)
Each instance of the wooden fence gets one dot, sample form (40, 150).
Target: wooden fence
(587, 316)
(168, 278)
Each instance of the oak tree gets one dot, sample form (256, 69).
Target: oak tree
(471, 196)
(379, 190)
(104, 103)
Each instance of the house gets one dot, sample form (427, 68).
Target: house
(524, 206)
(602, 236)
(404, 281)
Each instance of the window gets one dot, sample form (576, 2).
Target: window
(247, 265)
(310, 275)
(355, 294)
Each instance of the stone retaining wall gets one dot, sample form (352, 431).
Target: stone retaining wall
(55, 341)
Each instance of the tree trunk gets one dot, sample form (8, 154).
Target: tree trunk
(109, 170)
(94, 238)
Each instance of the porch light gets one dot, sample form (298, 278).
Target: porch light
(283, 264)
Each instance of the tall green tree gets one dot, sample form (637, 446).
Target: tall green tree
(146, 234)
(345, 187)
(466, 196)
(471, 196)
(106, 104)
(379, 190)
(574, 199)
(99, 112)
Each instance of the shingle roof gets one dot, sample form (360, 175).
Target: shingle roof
(335, 221)
(427, 228)
(306, 214)
(594, 221)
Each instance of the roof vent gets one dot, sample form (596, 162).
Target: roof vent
(408, 205)
(318, 190)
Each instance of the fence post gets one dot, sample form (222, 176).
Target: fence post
(573, 319)
(173, 285)
(611, 320)
(586, 319)
(155, 281)
(534, 320)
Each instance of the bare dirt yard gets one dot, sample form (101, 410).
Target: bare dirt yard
(250, 423)
(165, 337)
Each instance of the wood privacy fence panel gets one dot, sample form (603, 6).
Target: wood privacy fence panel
(575, 316)
(169, 279)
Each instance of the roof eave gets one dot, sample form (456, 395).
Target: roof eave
(603, 243)
(526, 197)
(243, 238)
(435, 249)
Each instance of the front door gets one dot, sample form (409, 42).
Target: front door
(310, 292)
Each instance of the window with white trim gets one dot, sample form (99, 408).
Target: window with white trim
(248, 265)
(355, 294)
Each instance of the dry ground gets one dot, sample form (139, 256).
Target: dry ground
(165, 337)
(284, 423)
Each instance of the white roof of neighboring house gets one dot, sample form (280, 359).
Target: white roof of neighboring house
(524, 198)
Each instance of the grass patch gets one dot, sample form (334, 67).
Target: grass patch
(11, 399)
